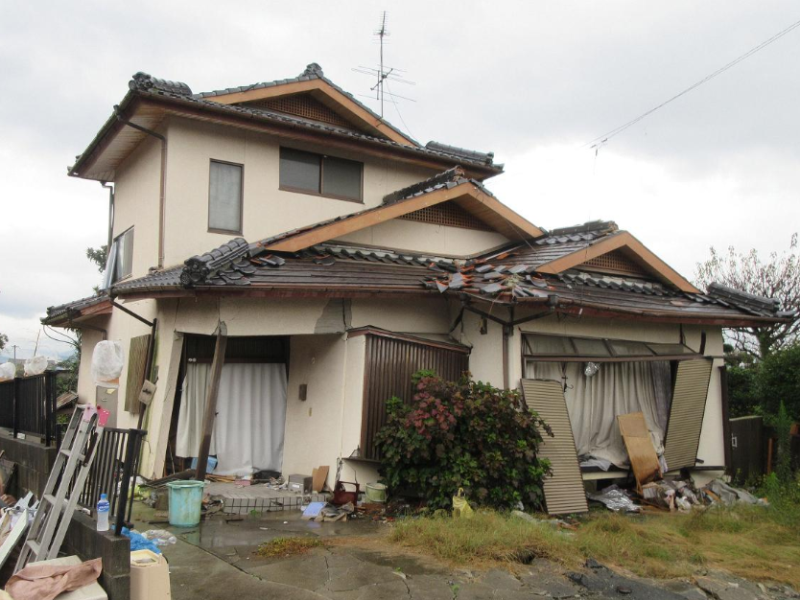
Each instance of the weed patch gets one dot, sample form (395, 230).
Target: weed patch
(287, 546)
(754, 542)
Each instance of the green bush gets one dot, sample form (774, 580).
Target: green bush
(463, 434)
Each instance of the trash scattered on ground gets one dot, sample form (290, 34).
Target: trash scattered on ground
(139, 542)
(160, 537)
(616, 499)
(461, 507)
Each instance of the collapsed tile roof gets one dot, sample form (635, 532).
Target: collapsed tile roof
(65, 311)
(508, 276)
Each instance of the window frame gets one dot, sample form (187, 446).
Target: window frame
(211, 229)
(120, 260)
(321, 193)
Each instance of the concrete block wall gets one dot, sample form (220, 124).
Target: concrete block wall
(34, 462)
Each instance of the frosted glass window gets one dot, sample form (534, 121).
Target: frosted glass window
(225, 197)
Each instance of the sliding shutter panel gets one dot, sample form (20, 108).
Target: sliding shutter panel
(137, 365)
(563, 490)
(686, 413)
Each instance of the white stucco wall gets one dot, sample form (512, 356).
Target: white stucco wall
(136, 203)
(266, 209)
(427, 237)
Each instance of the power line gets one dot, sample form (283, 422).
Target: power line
(617, 130)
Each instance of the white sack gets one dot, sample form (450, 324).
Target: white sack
(35, 365)
(7, 371)
(107, 361)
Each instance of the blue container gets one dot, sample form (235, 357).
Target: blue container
(185, 502)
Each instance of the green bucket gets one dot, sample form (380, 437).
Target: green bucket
(185, 502)
(376, 492)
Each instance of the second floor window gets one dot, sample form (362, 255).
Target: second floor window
(120, 259)
(225, 197)
(311, 173)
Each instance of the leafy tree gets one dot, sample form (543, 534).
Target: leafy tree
(3, 340)
(778, 277)
(777, 382)
(464, 434)
(98, 256)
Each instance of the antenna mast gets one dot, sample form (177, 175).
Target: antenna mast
(382, 75)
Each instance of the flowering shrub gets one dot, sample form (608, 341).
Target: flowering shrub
(464, 434)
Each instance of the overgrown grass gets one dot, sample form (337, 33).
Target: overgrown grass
(292, 546)
(759, 543)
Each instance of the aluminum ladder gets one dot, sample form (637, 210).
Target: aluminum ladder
(58, 501)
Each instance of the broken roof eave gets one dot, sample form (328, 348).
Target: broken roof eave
(73, 318)
(189, 108)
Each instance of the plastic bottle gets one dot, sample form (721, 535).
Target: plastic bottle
(102, 513)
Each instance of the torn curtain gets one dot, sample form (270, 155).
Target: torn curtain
(251, 416)
(594, 402)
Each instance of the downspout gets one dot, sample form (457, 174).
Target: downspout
(110, 189)
(162, 199)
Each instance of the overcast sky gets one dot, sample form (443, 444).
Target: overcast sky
(532, 81)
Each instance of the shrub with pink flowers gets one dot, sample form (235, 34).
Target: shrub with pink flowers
(463, 434)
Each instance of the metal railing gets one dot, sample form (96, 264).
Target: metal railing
(28, 406)
(116, 461)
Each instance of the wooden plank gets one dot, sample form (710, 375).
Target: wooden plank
(642, 454)
(318, 478)
(211, 400)
(686, 413)
(563, 490)
(137, 367)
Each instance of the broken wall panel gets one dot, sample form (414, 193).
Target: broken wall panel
(137, 367)
(686, 413)
(563, 490)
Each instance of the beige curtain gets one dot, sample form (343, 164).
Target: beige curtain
(594, 402)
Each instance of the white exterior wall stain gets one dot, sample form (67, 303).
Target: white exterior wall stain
(412, 315)
(267, 210)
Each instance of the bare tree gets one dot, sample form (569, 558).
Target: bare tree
(778, 278)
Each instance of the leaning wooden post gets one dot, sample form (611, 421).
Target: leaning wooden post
(211, 401)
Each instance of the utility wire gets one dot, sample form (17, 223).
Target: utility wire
(617, 130)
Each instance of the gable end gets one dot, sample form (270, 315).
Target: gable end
(448, 214)
(302, 105)
(616, 262)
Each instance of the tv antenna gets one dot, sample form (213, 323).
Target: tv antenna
(384, 74)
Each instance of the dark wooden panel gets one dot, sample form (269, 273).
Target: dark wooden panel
(137, 366)
(390, 363)
(748, 458)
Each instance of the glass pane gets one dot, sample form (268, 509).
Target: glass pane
(300, 170)
(630, 348)
(591, 347)
(127, 253)
(549, 345)
(341, 178)
(670, 349)
(225, 197)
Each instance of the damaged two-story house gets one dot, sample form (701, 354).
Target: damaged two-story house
(342, 256)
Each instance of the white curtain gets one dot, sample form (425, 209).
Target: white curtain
(251, 416)
(594, 402)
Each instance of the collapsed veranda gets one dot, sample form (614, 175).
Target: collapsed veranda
(343, 256)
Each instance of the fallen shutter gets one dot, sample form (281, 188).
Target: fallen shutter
(642, 454)
(563, 490)
(686, 413)
(137, 365)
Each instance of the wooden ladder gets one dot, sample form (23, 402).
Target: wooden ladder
(57, 503)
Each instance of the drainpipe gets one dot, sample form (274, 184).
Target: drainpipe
(162, 198)
(110, 189)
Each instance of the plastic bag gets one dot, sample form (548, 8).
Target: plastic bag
(139, 542)
(7, 371)
(461, 508)
(35, 365)
(160, 537)
(107, 361)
